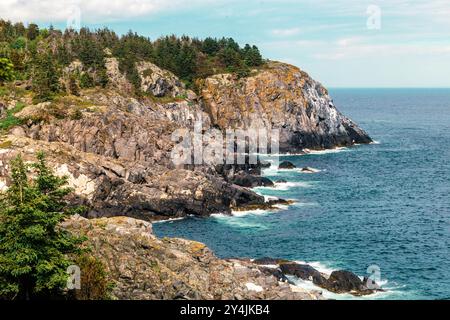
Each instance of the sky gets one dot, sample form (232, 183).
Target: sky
(341, 43)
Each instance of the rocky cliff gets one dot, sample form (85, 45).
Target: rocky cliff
(281, 97)
(141, 266)
(116, 149)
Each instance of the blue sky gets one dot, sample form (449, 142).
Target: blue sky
(330, 40)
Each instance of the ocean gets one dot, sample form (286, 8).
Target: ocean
(385, 204)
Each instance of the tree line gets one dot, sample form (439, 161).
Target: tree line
(30, 52)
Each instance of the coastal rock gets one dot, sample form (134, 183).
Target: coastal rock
(280, 97)
(286, 165)
(159, 82)
(117, 150)
(304, 272)
(309, 170)
(149, 268)
(342, 281)
(251, 181)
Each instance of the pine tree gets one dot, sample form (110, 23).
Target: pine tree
(33, 250)
(33, 31)
(45, 79)
(6, 70)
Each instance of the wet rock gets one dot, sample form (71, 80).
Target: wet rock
(304, 272)
(286, 165)
(309, 170)
(345, 281)
(251, 181)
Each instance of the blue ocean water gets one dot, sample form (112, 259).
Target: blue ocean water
(386, 204)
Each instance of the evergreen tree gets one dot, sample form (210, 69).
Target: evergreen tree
(45, 78)
(252, 56)
(33, 250)
(32, 31)
(6, 70)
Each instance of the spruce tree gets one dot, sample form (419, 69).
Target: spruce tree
(6, 70)
(45, 78)
(33, 250)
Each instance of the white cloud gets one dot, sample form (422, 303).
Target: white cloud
(91, 10)
(286, 32)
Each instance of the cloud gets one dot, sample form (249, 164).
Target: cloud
(286, 32)
(91, 10)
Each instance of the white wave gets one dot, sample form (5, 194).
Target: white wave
(319, 266)
(256, 212)
(326, 151)
(170, 220)
(283, 186)
(238, 222)
(327, 270)
(268, 198)
(375, 142)
(305, 204)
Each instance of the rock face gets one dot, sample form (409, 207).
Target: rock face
(116, 149)
(281, 97)
(152, 268)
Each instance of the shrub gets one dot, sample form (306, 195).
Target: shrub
(94, 280)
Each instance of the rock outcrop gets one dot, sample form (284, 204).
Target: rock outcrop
(116, 149)
(281, 97)
(339, 281)
(152, 268)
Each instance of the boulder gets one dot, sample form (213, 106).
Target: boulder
(286, 165)
(251, 181)
(304, 272)
(343, 281)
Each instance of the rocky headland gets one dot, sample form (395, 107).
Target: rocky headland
(116, 151)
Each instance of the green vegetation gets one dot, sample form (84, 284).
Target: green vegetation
(33, 250)
(6, 70)
(42, 55)
(10, 120)
(94, 280)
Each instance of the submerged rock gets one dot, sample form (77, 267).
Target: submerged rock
(309, 170)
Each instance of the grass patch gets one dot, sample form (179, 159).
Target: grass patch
(4, 91)
(11, 120)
